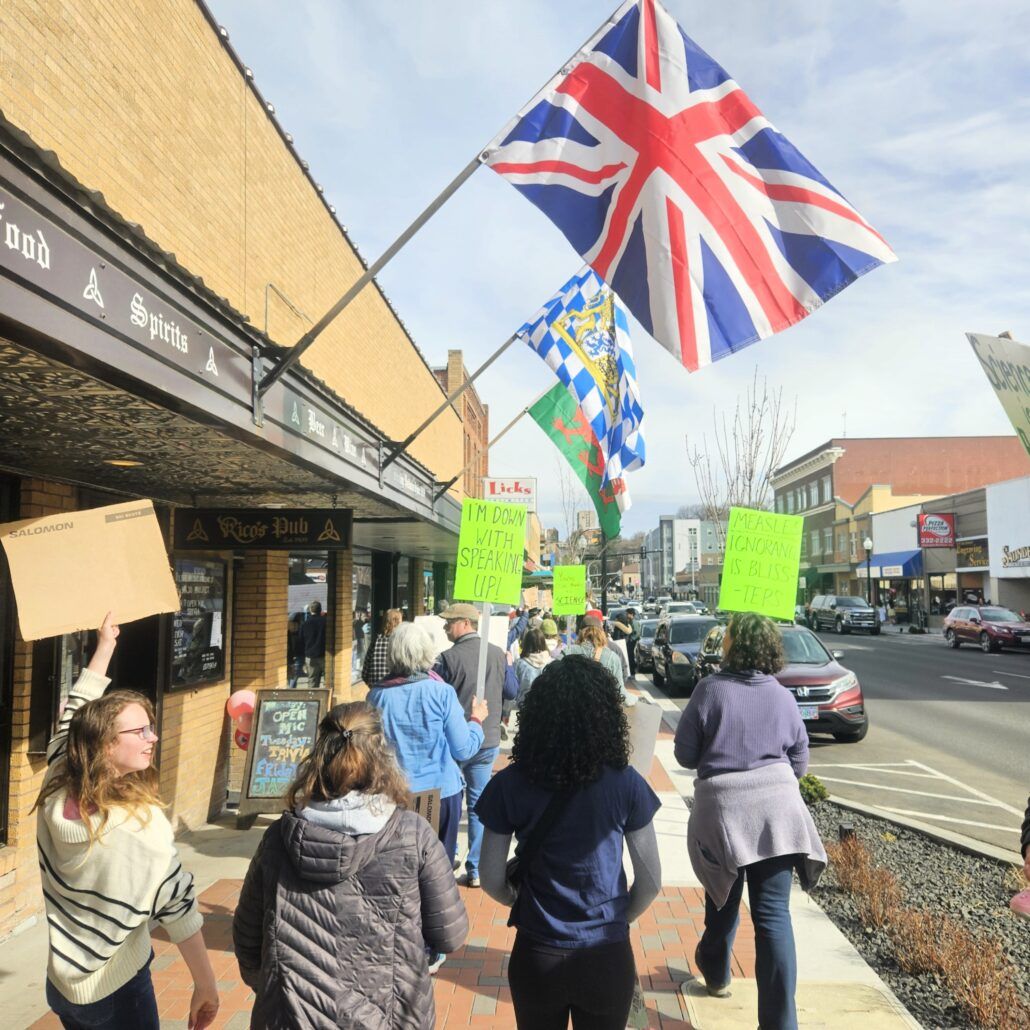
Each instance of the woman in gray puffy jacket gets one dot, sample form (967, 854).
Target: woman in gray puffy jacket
(345, 892)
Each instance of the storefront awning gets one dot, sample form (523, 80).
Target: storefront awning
(897, 564)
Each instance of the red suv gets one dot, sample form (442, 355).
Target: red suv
(989, 626)
(829, 696)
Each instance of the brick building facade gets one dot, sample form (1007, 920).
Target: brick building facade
(475, 420)
(164, 244)
(839, 486)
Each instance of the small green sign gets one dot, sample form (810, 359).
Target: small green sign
(760, 566)
(569, 592)
(491, 543)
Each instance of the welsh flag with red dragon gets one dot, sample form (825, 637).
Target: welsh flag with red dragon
(561, 418)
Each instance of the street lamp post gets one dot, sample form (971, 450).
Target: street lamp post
(867, 544)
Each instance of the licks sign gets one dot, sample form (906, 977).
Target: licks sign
(511, 491)
(935, 530)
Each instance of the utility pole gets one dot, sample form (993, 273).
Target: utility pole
(604, 573)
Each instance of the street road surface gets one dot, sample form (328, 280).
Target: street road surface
(949, 735)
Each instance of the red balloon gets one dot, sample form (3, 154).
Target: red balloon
(242, 740)
(239, 702)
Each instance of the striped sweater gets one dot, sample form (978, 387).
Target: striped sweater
(102, 900)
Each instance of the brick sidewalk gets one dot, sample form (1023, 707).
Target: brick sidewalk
(471, 987)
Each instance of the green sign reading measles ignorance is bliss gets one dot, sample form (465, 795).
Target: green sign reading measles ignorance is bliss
(569, 592)
(760, 566)
(491, 543)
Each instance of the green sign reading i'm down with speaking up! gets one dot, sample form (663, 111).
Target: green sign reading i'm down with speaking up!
(760, 566)
(491, 544)
(569, 590)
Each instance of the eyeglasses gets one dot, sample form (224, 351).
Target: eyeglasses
(143, 732)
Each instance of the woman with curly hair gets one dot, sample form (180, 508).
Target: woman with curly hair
(743, 734)
(346, 891)
(570, 798)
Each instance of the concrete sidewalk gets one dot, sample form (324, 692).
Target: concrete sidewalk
(836, 987)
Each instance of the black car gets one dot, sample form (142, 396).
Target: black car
(843, 613)
(828, 695)
(647, 629)
(674, 653)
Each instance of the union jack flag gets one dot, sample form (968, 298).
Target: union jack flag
(582, 333)
(713, 229)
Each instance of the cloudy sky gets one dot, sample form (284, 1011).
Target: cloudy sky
(918, 111)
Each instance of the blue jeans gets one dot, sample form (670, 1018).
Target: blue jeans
(133, 1005)
(776, 968)
(450, 816)
(477, 772)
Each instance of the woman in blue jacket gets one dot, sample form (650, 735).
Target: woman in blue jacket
(424, 721)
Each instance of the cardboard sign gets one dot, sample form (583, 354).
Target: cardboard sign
(569, 592)
(426, 803)
(69, 571)
(434, 626)
(761, 563)
(491, 543)
(645, 720)
(1006, 364)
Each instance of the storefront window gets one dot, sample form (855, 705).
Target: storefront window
(361, 593)
(198, 643)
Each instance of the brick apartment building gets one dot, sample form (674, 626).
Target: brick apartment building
(840, 485)
(161, 244)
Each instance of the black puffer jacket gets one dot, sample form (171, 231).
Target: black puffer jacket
(329, 928)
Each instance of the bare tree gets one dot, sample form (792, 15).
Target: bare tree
(733, 470)
(568, 486)
(692, 511)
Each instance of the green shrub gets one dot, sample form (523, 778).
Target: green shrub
(813, 790)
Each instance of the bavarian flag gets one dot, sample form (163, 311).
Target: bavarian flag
(561, 418)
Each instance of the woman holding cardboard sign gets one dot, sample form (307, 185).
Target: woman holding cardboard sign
(109, 864)
(425, 723)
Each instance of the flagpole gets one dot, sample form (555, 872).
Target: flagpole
(277, 371)
(370, 273)
(444, 487)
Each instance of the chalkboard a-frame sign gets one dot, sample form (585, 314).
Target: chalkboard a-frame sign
(284, 730)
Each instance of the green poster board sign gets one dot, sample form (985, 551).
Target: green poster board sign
(760, 566)
(569, 592)
(491, 543)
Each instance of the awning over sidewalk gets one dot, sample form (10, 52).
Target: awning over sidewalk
(897, 564)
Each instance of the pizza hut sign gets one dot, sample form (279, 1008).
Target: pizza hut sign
(936, 530)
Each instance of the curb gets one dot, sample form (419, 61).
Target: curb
(978, 849)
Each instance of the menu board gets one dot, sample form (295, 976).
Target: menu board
(284, 732)
(198, 640)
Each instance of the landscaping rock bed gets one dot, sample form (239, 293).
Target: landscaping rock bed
(973, 891)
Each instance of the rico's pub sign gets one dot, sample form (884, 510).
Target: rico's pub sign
(262, 529)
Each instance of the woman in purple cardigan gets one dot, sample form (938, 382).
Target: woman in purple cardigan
(743, 734)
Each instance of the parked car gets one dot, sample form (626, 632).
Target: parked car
(828, 695)
(674, 652)
(843, 613)
(645, 642)
(990, 626)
